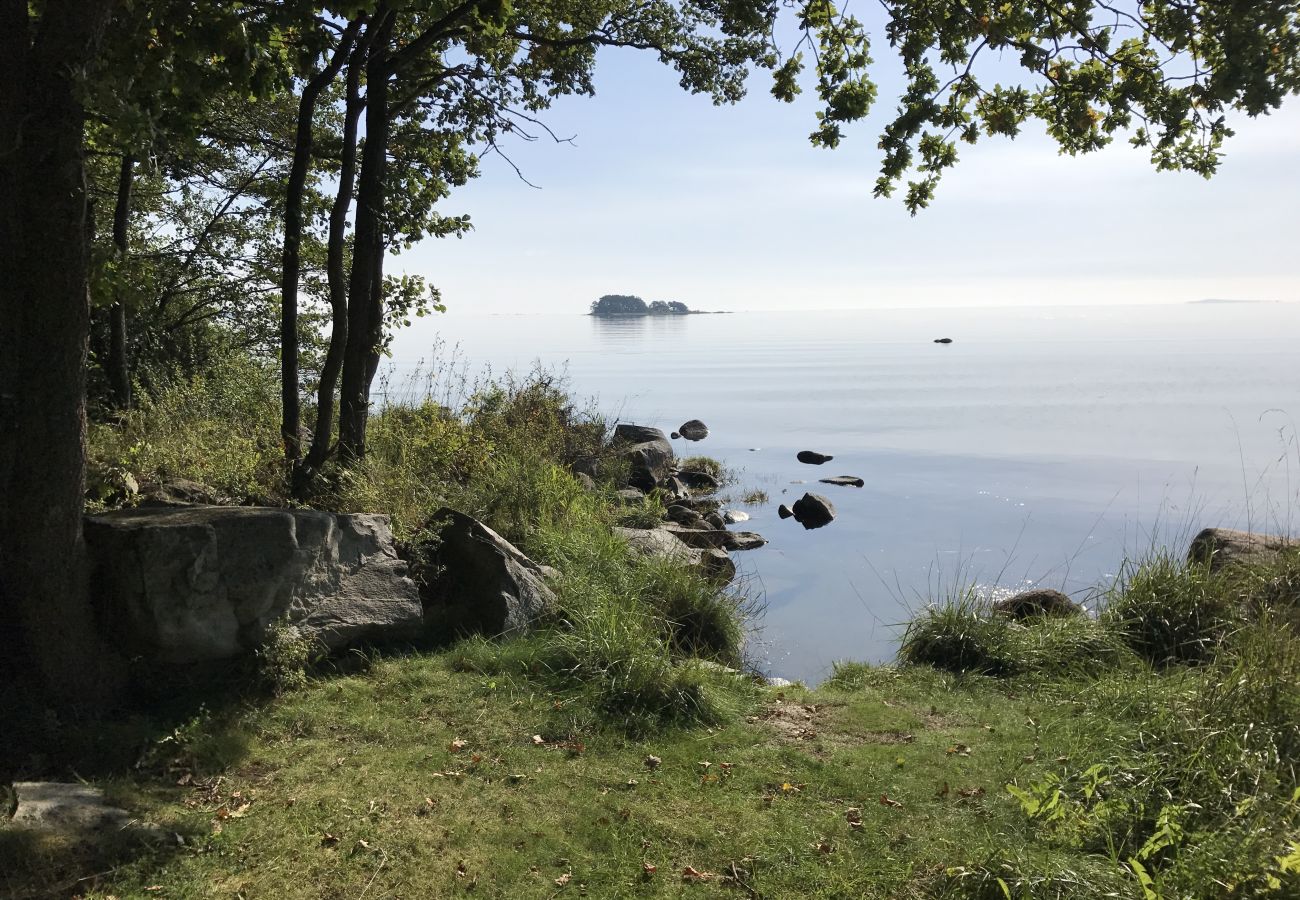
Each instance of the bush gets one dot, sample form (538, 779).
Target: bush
(959, 636)
(1172, 612)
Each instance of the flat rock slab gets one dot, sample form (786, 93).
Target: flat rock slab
(664, 544)
(60, 806)
(1219, 547)
(202, 583)
(844, 481)
(716, 538)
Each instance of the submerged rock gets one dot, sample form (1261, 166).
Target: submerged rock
(812, 457)
(694, 430)
(1038, 603)
(200, 583)
(844, 481)
(1219, 547)
(813, 511)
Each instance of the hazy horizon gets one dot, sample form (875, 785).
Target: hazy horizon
(665, 196)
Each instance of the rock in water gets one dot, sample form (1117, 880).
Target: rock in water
(813, 511)
(784, 511)
(1219, 547)
(734, 515)
(694, 430)
(812, 457)
(943, 340)
(844, 481)
(675, 435)
(1038, 603)
(715, 564)
(199, 583)
(475, 580)
(697, 480)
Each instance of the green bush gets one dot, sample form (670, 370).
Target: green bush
(959, 636)
(1172, 612)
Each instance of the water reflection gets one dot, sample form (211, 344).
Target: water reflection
(622, 332)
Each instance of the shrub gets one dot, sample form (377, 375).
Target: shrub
(959, 636)
(1171, 612)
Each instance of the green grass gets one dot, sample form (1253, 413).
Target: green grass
(1149, 752)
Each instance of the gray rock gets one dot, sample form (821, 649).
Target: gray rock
(812, 457)
(199, 583)
(702, 505)
(661, 543)
(1038, 603)
(474, 580)
(713, 539)
(1219, 547)
(631, 496)
(675, 435)
(684, 515)
(778, 682)
(648, 453)
(72, 808)
(784, 511)
(588, 483)
(844, 481)
(697, 480)
(694, 430)
(673, 488)
(813, 511)
(733, 516)
(179, 492)
(586, 465)
(715, 520)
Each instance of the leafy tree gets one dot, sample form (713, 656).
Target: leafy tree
(619, 305)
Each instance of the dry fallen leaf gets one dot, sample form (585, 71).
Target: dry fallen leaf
(705, 765)
(690, 873)
(885, 801)
(653, 762)
(329, 840)
(970, 792)
(649, 868)
(457, 745)
(824, 847)
(537, 740)
(853, 815)
(959, 750)
(563, 880)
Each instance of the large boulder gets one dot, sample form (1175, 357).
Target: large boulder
(474, 580)
(1219, 547)
(694, 430)
(648, 453)
(663, 544)
(813, 511)
(1037, 603)
(201, 583)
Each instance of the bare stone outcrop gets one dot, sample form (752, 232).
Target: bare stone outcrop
(648, 452)
(201, 583)
(1221, 547)
(474, 580)
(665, 544)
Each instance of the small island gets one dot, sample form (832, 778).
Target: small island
(620, 305)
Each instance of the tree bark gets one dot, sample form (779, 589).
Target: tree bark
(44, 329)
(119, 367)
(335, 265)
(291, 261)
(365, 295)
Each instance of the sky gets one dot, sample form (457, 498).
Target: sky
(663, 195)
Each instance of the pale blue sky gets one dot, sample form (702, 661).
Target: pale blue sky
(666, 196)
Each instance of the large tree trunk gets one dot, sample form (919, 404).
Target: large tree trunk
(44, 328)
(335, 265)
(119, 367)
(365, 296)
(291, 261)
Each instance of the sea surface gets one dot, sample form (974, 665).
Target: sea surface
(1043, 446)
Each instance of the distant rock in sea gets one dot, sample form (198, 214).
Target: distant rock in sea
(943, 340)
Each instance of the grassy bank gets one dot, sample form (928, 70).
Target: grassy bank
(1149, 752)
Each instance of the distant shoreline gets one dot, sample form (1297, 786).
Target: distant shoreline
(650, 315)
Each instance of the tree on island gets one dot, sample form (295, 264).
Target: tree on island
(442, 77)
(619, 305)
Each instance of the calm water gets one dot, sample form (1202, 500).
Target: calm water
(1040, 447)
